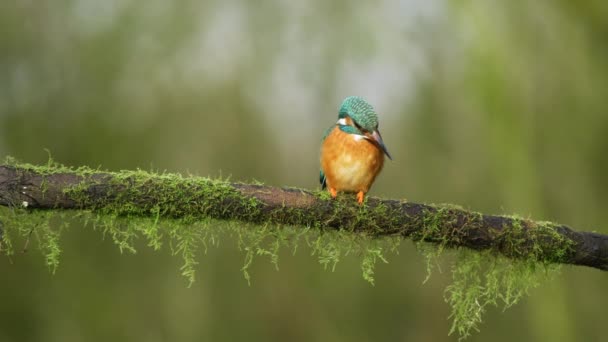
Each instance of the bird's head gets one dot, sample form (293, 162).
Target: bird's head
(361, 119)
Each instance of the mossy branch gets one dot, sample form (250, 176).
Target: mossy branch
(139, 193)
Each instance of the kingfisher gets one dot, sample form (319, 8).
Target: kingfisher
(352, 152)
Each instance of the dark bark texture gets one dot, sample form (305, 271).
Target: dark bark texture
(173, 196)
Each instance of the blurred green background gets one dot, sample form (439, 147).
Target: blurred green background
(499, 106)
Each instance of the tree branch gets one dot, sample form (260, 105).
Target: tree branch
(174, 196)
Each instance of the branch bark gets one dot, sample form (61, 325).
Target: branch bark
(141, 193)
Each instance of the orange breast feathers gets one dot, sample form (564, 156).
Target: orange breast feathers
(350, 162)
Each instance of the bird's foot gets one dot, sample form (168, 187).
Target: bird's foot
(333, 192)
(360, 197)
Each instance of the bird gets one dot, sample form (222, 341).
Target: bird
(352, 150)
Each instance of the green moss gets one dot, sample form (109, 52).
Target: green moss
(481, 279)
(26, 226)
(526, 253)
(372, 254)
(323, 195)
(431, 254)
(529, 240)
(262, 241)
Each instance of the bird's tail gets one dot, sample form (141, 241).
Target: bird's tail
(322, 180)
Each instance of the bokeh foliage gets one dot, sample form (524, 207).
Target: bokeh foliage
(496, 106)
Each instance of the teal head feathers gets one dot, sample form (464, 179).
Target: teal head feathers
(356, 116)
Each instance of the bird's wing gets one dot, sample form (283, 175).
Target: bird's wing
(322, 178)
(327, 131)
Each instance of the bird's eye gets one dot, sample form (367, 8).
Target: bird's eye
(358, 127)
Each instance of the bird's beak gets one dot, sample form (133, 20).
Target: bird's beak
(378, 138)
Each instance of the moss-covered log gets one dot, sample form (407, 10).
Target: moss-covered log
(173, 196)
